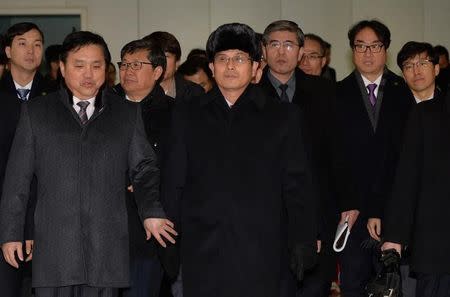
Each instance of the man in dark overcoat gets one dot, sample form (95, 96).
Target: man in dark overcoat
(140, 70)
(81, 142)
(23, 48)
(237, 181)
(416, 213)
(283, 46)
(372, 107)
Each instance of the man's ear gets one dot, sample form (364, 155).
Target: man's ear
(211, 66)
(300, 53)
(437, 69)
(8, 52)
(324, 61)
(157, 72)
(62, 68)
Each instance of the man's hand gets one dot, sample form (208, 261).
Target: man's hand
(9, 249)
(374, 227)
(158, 228)
(29, 249)
(319, 245)
(352, 216)
(391, 245)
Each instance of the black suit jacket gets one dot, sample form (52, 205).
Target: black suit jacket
(370, 153)
(417, 214)
(9, 117)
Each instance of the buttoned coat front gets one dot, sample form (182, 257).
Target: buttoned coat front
(239, 180)
(81, 232)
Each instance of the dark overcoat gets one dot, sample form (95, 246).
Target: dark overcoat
(238, 179)
(81, 231)
(315, 97)
(370, 151)
(418, 212)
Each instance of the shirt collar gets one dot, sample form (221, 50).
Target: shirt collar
(27, 86)
(91, 100)
(368, 82)
(420, 100)
(276, 83)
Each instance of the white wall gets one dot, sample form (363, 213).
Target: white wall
(191, 21)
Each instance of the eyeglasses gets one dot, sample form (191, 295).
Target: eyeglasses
(421, 64)
(311, 57)
(362, 48)
(136, 65)
(238, 59)
(287, 45)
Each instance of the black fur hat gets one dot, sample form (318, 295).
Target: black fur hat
(233, 36)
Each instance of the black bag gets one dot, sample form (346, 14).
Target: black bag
(388, 281)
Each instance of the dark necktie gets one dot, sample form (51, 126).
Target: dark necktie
(284, 97)
(372, 97)
(82, 113)
(23, 93)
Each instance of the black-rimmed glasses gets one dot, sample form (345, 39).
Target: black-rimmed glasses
(136, 65)
(362, 48)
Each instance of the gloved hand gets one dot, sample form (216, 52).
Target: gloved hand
(388, 279)
(390, 259)
(302, 257)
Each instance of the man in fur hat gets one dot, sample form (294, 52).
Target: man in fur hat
(236, 181)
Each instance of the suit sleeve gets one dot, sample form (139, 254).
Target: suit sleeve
(401, 206)
(16, 188)
(298, 194)
(144, 173)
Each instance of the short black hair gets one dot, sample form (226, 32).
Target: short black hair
(20, 29)
(414, 48)
(317, 39)
(441, 51)
(76, 40)
(194, 64)
(155, 54)
(166, 41)
(233, 36)
(380, 29)
(284, 25)
(196, 52)
(52, 53)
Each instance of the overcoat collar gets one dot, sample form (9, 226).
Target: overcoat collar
(252, 93)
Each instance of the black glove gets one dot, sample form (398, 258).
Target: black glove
(388, 279)
(390, 259)
(302, 257)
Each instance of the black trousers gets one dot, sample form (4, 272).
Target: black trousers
(76, 291)
(433, 285)
(10, 279)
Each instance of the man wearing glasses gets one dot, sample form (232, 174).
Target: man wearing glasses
(372, 107)
(237, 181)
(313, 60)
(417, 213)
(420, 67)
(283, 48)
(140, 71)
